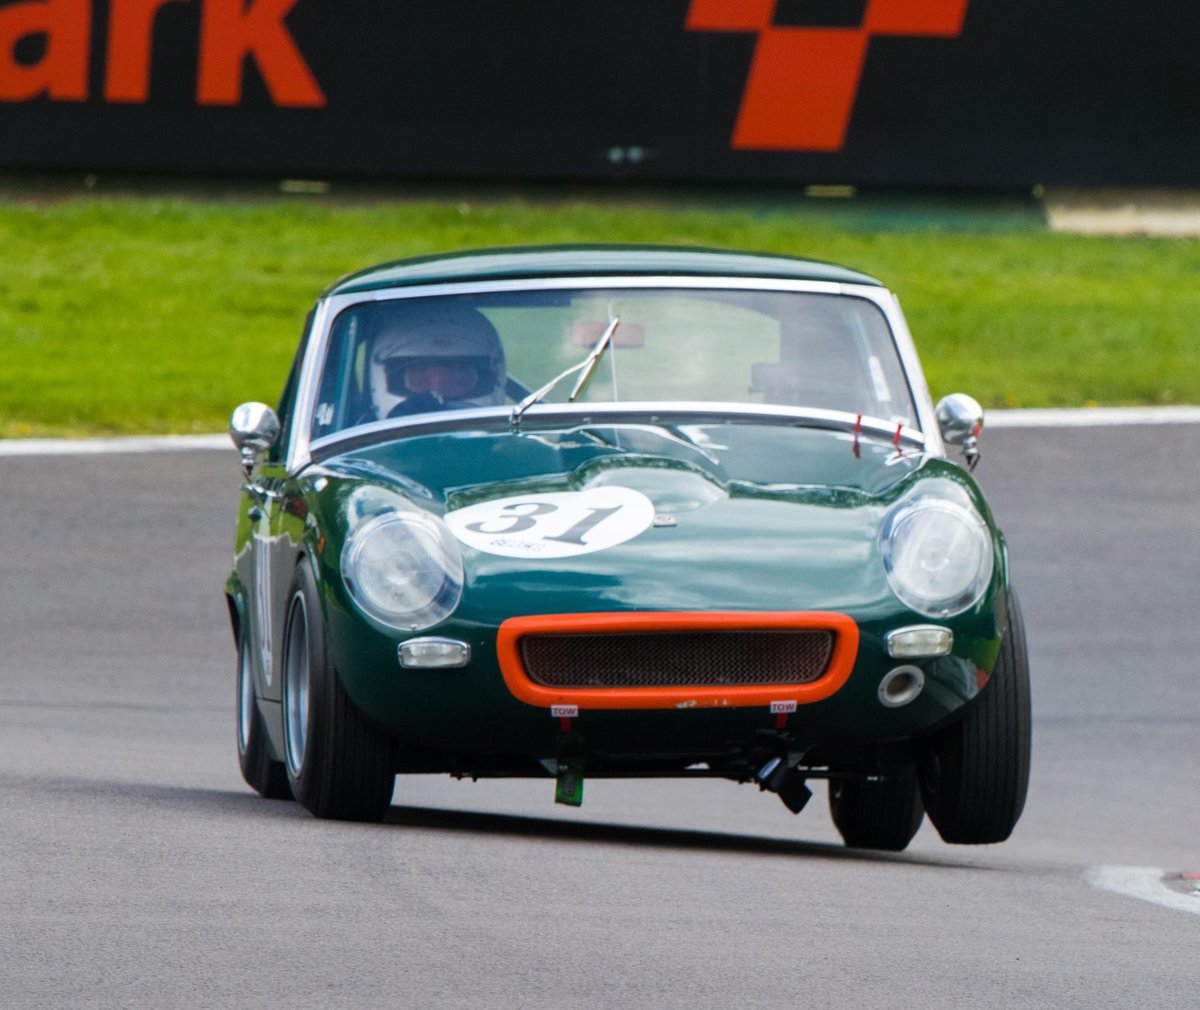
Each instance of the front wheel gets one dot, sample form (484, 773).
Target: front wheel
(338, 763)
(884, 814)
(976, 771)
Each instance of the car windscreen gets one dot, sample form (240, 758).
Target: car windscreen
(414, 355)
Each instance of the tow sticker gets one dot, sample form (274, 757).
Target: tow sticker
(560, 524)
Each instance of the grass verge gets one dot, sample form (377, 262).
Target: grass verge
(122, 316)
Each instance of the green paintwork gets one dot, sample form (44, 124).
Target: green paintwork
(512, 263)
(768, 517)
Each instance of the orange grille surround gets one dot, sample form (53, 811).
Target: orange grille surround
(681, 696)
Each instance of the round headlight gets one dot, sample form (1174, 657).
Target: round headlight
(403, 569)
(937, 555)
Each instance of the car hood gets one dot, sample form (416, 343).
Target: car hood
(446, 466)
(736, 516)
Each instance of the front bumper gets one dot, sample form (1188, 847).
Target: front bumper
(492, 713)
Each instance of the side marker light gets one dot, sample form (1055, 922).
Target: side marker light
(433, 654)
(921, 641)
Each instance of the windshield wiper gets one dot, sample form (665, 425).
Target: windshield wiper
(585, 368)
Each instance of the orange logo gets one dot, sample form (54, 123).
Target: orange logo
(803, 80)
(233, 34)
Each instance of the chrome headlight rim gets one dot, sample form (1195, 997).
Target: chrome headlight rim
(426, 534)
(960, 595)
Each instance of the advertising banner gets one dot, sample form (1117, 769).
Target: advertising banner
(971, 93)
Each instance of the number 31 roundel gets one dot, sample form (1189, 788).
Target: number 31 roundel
(555, 525)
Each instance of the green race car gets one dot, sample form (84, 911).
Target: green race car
(610, 511)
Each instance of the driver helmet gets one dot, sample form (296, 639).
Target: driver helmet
(440, 357)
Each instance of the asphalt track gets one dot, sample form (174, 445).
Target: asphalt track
(137, 871)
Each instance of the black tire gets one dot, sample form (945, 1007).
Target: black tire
(976, 771)
(878, 815)
(339, 763)
(263, 774)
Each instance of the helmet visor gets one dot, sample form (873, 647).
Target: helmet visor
(452, 378)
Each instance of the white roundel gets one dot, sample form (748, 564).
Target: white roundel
(560, 524)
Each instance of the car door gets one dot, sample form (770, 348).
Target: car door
(270, 563)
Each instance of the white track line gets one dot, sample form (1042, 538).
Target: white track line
(1089, 417)
(1145, 883)
(1066, 417)
(97, 446)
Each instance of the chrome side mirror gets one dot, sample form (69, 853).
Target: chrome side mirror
(960, 419)
(253, 427)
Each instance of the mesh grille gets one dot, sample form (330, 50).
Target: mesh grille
(677, 658)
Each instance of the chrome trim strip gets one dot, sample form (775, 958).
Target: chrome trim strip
(604, 281)
(300, 446)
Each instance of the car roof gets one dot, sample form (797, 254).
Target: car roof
(519, 262)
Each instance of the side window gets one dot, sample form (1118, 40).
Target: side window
(342, 400)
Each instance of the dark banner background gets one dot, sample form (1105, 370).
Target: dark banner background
(1081, 92)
